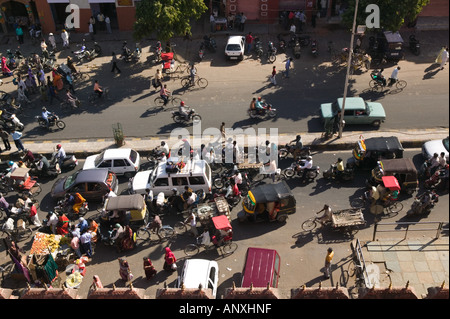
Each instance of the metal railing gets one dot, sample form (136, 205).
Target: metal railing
(408, 227)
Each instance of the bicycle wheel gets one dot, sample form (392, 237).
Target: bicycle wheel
(309, 224)
(176, 101)
(392, 210)
(166, 232)
(202, 82)
(357, 203)
(159, 101)
(143, 234)
(191, 250)
(180, 228)
(185, 82)
(229, 248)
(401, 84)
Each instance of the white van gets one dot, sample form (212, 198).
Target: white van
(196, 174)
(200, 271)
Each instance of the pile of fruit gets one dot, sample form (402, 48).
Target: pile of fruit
(45, 243)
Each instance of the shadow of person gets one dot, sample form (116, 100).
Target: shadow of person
(431, 67)
(430, 74)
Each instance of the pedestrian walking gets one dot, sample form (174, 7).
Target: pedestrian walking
(248, 42)
(273, 76)
(114, 63)
(69, 80)
(192, 220)
(75, 244)
(149, 269)
(157, 80)
(51, 40)
(65, 38)
(16, 136)
(85, 240)
(444, 58)
(313, 18)
(91, 30)
(94, 27)
(19, 33)
(5, 138)
(212, 22)
(243, 19)
(169, 261)
(328, 259)
(108, 25)
(124, 270)
(287, 67)
(41, 77)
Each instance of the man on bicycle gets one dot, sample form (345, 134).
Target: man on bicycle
(164, 94)
(98, 89)
(327, 215)
(394, 76)
(192, 73)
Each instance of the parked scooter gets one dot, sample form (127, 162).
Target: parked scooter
(258, 47)
(271, 52)
(423, 204)
(210, 43)
(314, 48)
(414, 44)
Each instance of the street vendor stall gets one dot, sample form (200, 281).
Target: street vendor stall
(206, 211)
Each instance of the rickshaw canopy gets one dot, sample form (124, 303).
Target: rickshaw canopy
(221, 222)
(398, 166)
(383, 144)
(271, 192)
(167, 56)
(391, 182)
(126, 202)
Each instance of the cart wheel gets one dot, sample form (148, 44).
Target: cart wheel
(180, 228)
(229, 248)
(191, 250)
(350, 230)
(309, 224)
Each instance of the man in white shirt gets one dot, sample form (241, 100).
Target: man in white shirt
(444, 58)
(394, 76)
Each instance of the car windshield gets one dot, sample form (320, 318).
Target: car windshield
(445, 142)
(233, 47)
(368, 108)
(99, 159)
(133, 156)
(70, 180)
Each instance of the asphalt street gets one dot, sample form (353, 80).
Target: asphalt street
(301, 252)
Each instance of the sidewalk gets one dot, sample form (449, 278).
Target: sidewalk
(423, 262)
(85, 147)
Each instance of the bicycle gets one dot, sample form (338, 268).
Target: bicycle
(386, 209)
(17, 234)
(175, 101)
(164, 232)
(227, 248)
(94, 96)
(187, 82)
(378, 85)
(81, 77)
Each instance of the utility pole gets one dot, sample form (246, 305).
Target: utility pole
(349, 64)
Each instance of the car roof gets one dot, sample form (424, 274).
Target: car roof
(195, 267)
(192, 167)
(234, 39)
(352, 103)
(117, 153)
(92, 175)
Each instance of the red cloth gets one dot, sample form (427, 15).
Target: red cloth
(170, 257)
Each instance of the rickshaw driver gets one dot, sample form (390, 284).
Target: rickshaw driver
(327, 215)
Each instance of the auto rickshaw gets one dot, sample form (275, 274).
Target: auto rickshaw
(368, 151)
(402, 168)
(270, 202)
(129, 209)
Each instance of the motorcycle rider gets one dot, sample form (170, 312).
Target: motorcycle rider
(427, 199)
(163, 148)
(297, 145)
(339, 167)
(45, 115)
(60, 155)
(304, 165)
(184, 110)
(43, 165)
(98, 89)
(259, 105)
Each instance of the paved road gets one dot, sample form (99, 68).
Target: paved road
(302, 252)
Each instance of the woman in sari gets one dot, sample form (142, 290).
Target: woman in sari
(79, 201)
(124, 270)
(149, 269)
(6, 71)
(62, 228)
(169, 260)
(57, 80)
(126, 242)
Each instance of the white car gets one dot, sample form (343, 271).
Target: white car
(234, 50)
(121, 161)
(435, 146)
(200, 271)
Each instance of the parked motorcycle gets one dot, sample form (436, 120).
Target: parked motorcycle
(423, 204)
(314, 48)
(210, 43)
(268, 112)
(53, 120)
(281, 44)
(414, 44)
(308, 174)
(288, 149)
(86, 53)
(178, 118)
(347, 175)
(258, 47)
(271, 52)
